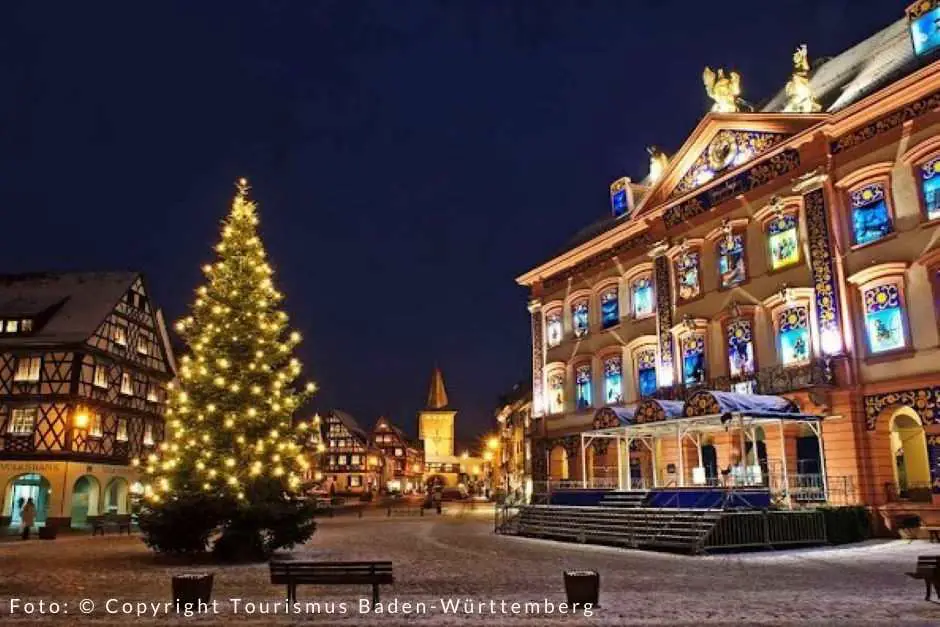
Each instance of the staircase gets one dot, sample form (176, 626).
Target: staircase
(631, 498)
(675, 529)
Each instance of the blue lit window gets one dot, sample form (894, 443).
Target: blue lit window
(613, 380)
(553, 328)
(579, 318)
(793, 330)
(925, 27)
(582, 379)
(641, 291)
(619, 201)
(693, 359)
(687, 275)
(930, 187)
(731, 265)
(884, 320)
(610, 309)
(740, 348)
(646, 371)
(871, 219)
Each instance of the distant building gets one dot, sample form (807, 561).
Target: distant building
(351, 464)
(436, 431)
(84, 366)
(405, 461)
(512, 471)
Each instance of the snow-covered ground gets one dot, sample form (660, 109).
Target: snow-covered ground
(451, 559)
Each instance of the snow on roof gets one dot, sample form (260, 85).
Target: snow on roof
(84, 300)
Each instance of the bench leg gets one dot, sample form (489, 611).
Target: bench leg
(927, 583)
(291, 592)
(375, 594)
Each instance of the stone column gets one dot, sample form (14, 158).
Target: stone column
(538, 358)
(663, 287)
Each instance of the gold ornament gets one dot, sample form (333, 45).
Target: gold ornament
(724, 90)
(800, 98)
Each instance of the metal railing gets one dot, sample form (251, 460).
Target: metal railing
(767, 529)
(773, 380)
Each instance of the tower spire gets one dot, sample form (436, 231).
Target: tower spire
(437, 395)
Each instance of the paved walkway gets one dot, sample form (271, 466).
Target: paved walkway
(456, 558)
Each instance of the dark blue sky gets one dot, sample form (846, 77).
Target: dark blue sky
(411, 158)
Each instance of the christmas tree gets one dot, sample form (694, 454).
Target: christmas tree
(234, 461)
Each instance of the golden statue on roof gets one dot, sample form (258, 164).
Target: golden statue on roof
(724, 90)
(658, 163)
(800, 97)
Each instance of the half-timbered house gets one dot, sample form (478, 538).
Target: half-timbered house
(353, 465)
(405, 460)
(84, 366)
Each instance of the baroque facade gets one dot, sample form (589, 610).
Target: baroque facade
(788, 252)
(85, 362)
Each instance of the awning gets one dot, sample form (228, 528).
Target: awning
(708, 402)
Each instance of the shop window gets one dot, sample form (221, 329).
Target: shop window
(610, 308)
(884, 318)
(582, 378)
(613, 380)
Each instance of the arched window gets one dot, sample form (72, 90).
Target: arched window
(613, 380)
(740, 334)
(641, 296)
(645, 359)
(610, 307)
(793, 335)
(884, 318)
(871, 216)
(732, 267)
(556, 393)
(688, 275)
(579, 318)
(692, 346)
(783, 240)
(582, 379)
(930, 187)
(553, 328)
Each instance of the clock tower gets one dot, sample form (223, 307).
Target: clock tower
(436, 422)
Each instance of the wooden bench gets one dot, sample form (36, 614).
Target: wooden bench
(291, 573)
(928, 569)
(121, 522)
(933, 533)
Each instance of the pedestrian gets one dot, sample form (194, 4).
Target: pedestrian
(28, 517)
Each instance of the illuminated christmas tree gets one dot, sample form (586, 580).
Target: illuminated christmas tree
(234, 461)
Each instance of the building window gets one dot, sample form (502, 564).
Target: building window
(923, 17)
(148, 434)
(582, 379)
(94, 426)
(142, 346)
(793, 332)
(153, 394)
(884, 320)
(122, 430)
(646, 372)
(641, 296)
(688, 283)
(399, 452)
(610, 308)
(693, 359)
(101, 376)
(553, 328)
(579, 318)
(119, 335)
(871, 219)
(127, 384)
(930, 187)
(784, 241)
(740, 348)
(355, 481)
(556, 393)
(23, 420)
(731, 265)
(613, 380)
(619, 199)
(12, 326)
(27, 369)
(355, 460)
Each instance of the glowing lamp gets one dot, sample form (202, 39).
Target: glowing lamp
(830, 341)
(81, 419)
(492, 443)
(487, 456)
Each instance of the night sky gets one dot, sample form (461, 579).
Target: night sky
(410, 158)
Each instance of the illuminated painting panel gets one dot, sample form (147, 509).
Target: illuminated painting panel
(556, 393)
(693, 359)
(646, 372)
(740, 348)
(731, 260)
(870, 217)
(613, 380)
(610, 308)
(582, 379)
(687, 275)
(642, 290)
(553, 328)
(884, 321)
(930, 187)
(793, 328)
(579, 318)
(784, 242)
(925, 31)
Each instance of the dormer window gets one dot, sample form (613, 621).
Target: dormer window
(15, 326)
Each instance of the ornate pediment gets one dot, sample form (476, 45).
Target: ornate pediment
(727, 150)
